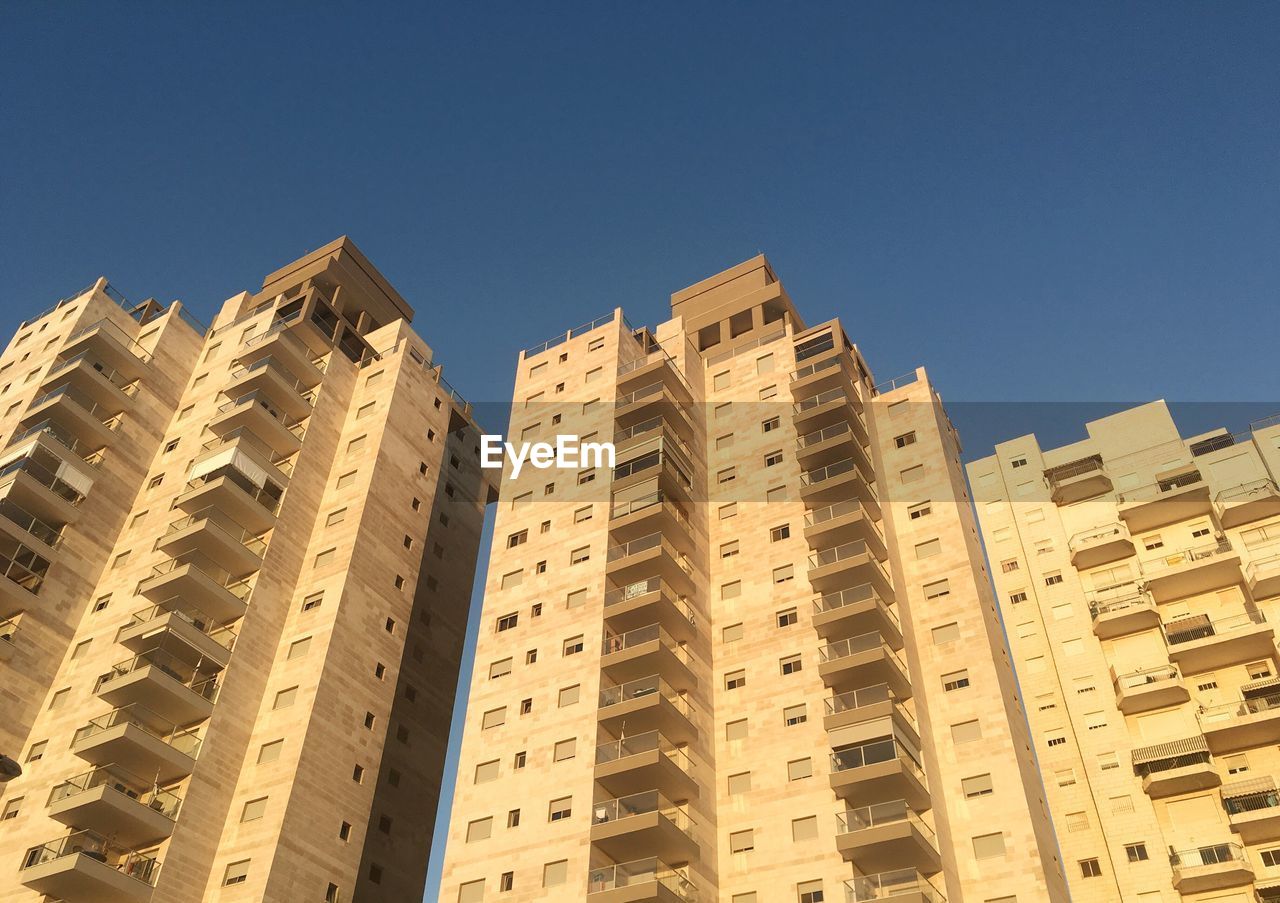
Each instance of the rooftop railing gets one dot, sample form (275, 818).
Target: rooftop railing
(897, 382)
(572, 334)
(108, 290)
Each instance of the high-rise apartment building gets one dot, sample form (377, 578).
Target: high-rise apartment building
(1139, 577)
(237, 569)
(756, 661)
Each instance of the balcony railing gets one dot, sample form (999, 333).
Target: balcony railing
(109, 327)
(142, 866)
(242, 435)
(1214, 854)
(1247, 492)
(632, 506)
(1185, 556)
(166, 802)
(1099, 607)
(611, 810)
(831, 512)
(822, 435)
(202, 683)
(268, 496)
(641, 871)
(814, 401)
(643, 544)
(745, 346)
(615, 642)
(20, 517)
(23, 567)
(824, 557)
(641, 688)
(1199, 627)
(79, 449)
(294, 426)
(124, 383)
(1094, 536)
(855, 644)
(184, 740)
(270, 363)
(1240, 800)
(875, 752)
(240, 587)
(1229, 711)
(888, 885)
(852, 595)
(45, 477)
(861, 698)
(811, 369)
(1136, 680)
(103, 413)
(1054, 476)
(1155, 490)
(223, 636)
(613, 750)
(878, 815)
(251, 541)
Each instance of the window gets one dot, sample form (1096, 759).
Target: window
(937, 589)
(736, 730)
(779, 533)
(787, 617)
(799, 769)
(1009, 566)
(569, 695)
(956, 680)
(727, 511)
(1270, 858)
(810, 891)
(1136, 852)
(768, 426)
(1018, 462)
(768, 392)
(486, 772)
(764, 364)
(988, 846)
(1057, 738)
(576, 599)
(789, 664)
(776, 494)
(966, 731)
(346, 479)
(920, 509)
(1053, 579)
(586, 476)
(519, 760)
(1089, 868)
(729, 549)
(554, 873)
(494, 718)
(507, 881)
(731, 590)
(805, 828)
(560, 809)
(564, 749)
(578, 556)
(506, 622)
(517, 539)
(946, 633)
(269, 752)
(739, 783)
(582, 514)
(731, 634)
(795, 714)
(254, 809)
(480, 829)
(720, 381)
(573, 645)
(1077, 821)
(285, 698)
(473, 891)
(976, 786)
(357, 774)
(513, 818)
(742, 841)
(500, 669)
(1258, 670)
(748, 897)
(929, 548)
(773, 458)
(298, 648)
(912, 474)
(236, 873)
(905, 439)
(1015, 598)
(526, 706)
(11, 808)
(325, 558)
(312, 601)
(735, 679)
(728, 475)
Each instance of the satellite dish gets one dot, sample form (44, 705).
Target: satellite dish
(9, 769)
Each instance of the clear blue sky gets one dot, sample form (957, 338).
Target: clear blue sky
(1094, 184)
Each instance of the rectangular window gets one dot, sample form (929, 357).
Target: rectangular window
(506, 622)
(790, 664)
(905, 439)
(946, 633)
(937, 589)
(560, 809)
(236, 873)
(731, 634)
(799, 769)
(573, 645)
(555, 873)
(956, 680)
(787, 617)
(795, 714)
(735, 680)
(565, 749)
(921, 509)
(742, 841)
(739, 783)
(976, 786)
(500, 669)
(729, 549)
(779, 533)
(494, 718)
(1089, 868)
(966, 732)
(480, 829)
(988, 846)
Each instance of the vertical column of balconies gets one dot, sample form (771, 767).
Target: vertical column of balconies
(876, 765)
(179, 640)
(643, 839)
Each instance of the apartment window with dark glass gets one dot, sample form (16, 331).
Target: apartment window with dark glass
(956, 680)
(774, 457)
(735, 679)
(771, 424)
(506, 622)
(905, 439)
(517, 539)
(787, 617)
(790, 664)
(1137, 852)
(1089, 868)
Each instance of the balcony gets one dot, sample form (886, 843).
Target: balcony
(643, 514)
(826, 372)
(902, 886)
(111, 345)
(77, 414)
(648, 601)
(1126, 610)
(850, 564)
(177, 686)
(867, 704)
(273, 379)
(109, 801)
(218, 537)
(647, 704)
(645, 650)
(140, 742)
(186, 623)
(654, 400)
(1077, 481)
(841, 523)
(1253, 808)
(855, 610)
(1198, 644)
(1099, 545)
(838, 481)
(1263, 576)
(1153, 688)
(879, 770)
(643, 822)
(260, 415)
(1247, 503)
(661, 465)
(642, 762)
(863, 660)
(656, 366)
(8, 639)
(95, 379)
(1212, 867)
(887, 835)
(244, 448)
(1189, 572)
(642, 557)
(1176, 498)
(1173, 769)
(655, 430)
(1250, 722)
(236, 494)
(22, 574)
(59, 444)
(832, 443)
(224, 596)
(86, 866)
(29, 529)
(640, 881)
(828, 408)
(36, 484)
(281, 344)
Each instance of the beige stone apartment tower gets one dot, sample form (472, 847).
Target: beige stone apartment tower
(1139, 578)
(238, 564)
(758, 661)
